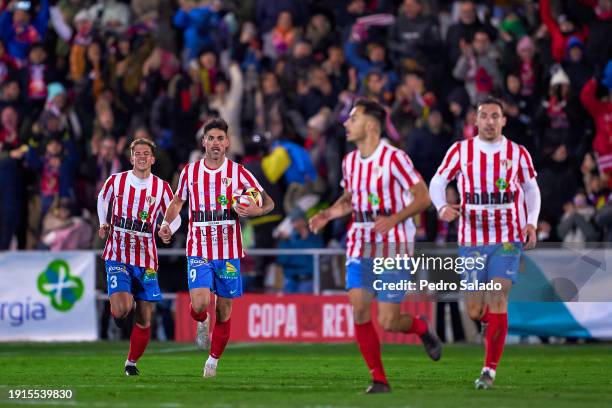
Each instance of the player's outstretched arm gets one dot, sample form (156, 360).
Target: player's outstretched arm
(420, 202)
(170, 219)
(534, 202)
(340, 208)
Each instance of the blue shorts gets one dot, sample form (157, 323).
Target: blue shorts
(139, 281)
(360, 275)
(221, 276)
(500, 261)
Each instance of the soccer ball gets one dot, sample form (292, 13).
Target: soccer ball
(243, 196)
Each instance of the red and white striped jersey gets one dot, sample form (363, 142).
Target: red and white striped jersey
(489, 176)
(137, 204)
(379, 185)
(214, 229)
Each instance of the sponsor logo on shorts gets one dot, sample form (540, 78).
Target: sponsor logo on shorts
(150, 275)
(197, 261)
(117, 269)
(229, 271)
(508, 248)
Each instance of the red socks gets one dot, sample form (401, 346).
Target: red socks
(198, 317)
(495, 338)
(369, 345)
(418, 327)
(220, 337)
(138, 342)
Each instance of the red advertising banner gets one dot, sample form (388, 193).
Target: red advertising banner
(292, 318)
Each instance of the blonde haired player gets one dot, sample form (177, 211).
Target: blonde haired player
(130, 254)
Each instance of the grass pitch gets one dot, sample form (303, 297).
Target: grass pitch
(304, 375)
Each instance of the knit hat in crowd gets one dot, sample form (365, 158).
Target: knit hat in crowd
(574, 42)
(525, 43)
(54, 89)
(559, 78)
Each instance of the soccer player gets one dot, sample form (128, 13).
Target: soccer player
(498, 214)
(214, 241)
(138, 198)
(383, 191)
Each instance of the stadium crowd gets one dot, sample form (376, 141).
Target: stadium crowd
(79, 80)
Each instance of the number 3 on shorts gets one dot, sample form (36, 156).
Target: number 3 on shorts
(113, 281)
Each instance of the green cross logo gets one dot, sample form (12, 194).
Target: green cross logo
(63, 290)
(373, 199)
(143, 215)
(222, 200)
(501, 183)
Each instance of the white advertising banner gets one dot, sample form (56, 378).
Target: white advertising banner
(47, 296)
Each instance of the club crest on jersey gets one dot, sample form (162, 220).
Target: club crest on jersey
(143, 215)
(373, 199)
(508, 163)
(226, 181)
(150, 200)
(222, 199)
(378, 172)
(501, 183)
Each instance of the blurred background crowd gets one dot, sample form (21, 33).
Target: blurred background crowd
(80, 79)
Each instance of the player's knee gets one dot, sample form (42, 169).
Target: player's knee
(120, 311)
(223, 312)
(474, 311)
(498, 302)
(386, 322)
(199, 306)
(361, 314)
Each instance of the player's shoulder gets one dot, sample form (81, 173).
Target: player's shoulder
(117, 176)
(161, 181)
(517, 146)
(395, 153)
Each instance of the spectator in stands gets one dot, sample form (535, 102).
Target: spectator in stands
(376, 60)
(267, 12)
(197, 22)
(281, 39)
(555, 120)
(36, 75)
(576, 225)
(63, 230)
(315, 93)
(414, 39)
(297, 269)
(464, 29)
(560, 30)
(228, 101)
(427, 146)
(523, 61)
(11, 187)
(56, 166)
(577, 68)
(477, 68)
(558, 182)
(18, 33)
(599, 46)
(600, 109)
